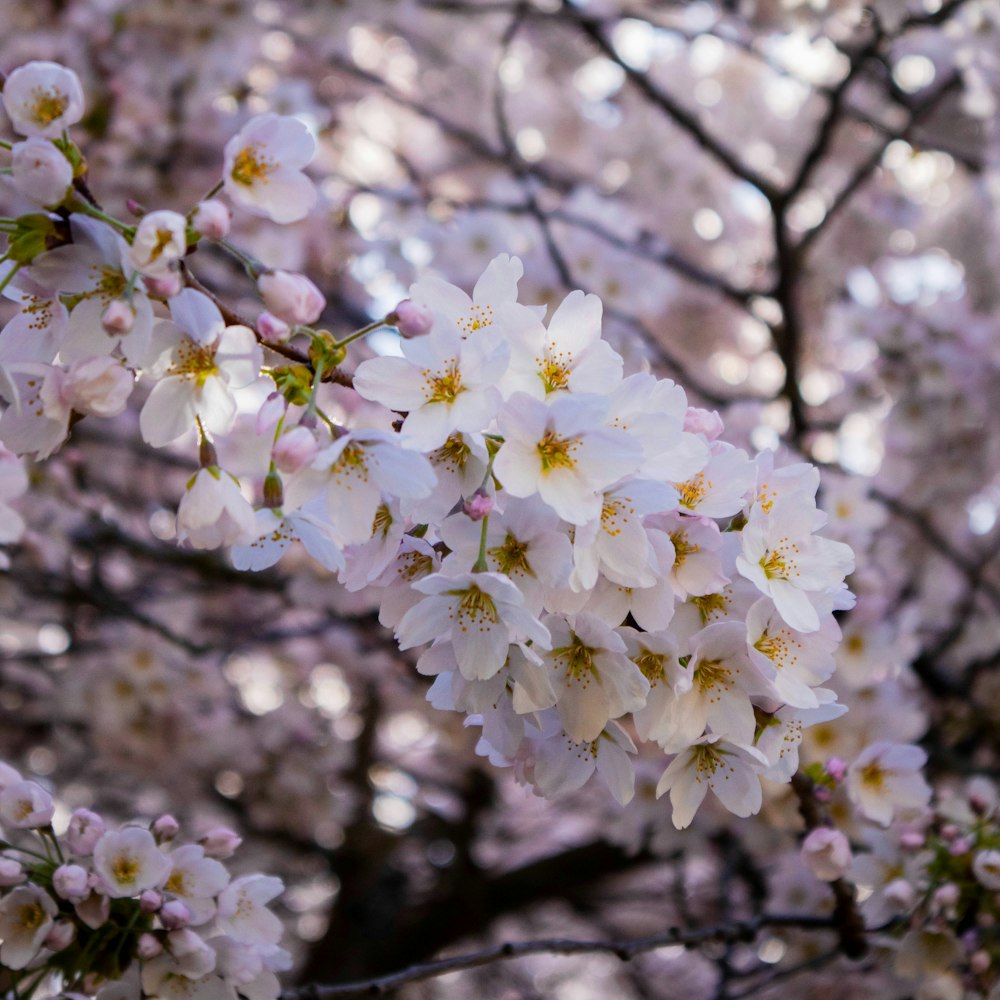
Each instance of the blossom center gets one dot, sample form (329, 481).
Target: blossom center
(777, 648)
(47, 105)
(194, 361)
(578, 660)
(779, 562)
(710, 604)
(125, 869)
(251, 167)
(478, 318)
(712, 675)
(475, 607)
(556, 452)
(682, 547)
(444, 386)
(693, 491)
(512, 557)
(31, 916)
(554, 369)
(651, 665)
(453, 453)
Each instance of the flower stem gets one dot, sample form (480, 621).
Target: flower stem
(480, 565)
(9, 276)
(360, 333)
(87, 209)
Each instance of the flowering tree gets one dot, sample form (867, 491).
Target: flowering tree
(512, 480)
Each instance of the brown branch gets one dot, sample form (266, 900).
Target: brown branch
(627, 949)
(847, 919)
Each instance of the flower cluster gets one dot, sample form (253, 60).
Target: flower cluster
(583, 553)
(121, 911)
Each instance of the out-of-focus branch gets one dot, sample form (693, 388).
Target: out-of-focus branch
(627, 949)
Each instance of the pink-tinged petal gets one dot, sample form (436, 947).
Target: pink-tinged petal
(615, 767)
(168, 413)
(215, 405)
(238, 356)
(686, 794)
(576, 323)
(498, 283)
(197, 315)
(393, 382)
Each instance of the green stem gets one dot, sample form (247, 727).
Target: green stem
(87, 209)
(4, 144)
(480, 566)
(360, 333)
(314, 395)
(7, 278)
(213, 191)
(253, 266)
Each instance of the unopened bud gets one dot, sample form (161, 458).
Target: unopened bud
(70, 882)
(294, 450)
(946, 896)
(174, 915)
(960, 846)
(118, 318)
(148, 947)
(900, 894)
(165, 828)
(135, 208)
(291, 297)
(212, 219)
(912, 840)
(836, 767)
(272, 329)
(478, 506)
(85, 829)
(979, 962)
(61, 935)
(411, 318)
(163, 286)
(11, 872)
(707, 422)
(220, 842)
(150, 901)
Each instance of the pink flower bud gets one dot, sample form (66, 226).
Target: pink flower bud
(11, 873)
(60, 936)
(291, 297)
(148, 947)
(41, 173)
(478, 506)
(211, 218)
(980, 962)
(960, 846)
(707, 422)
(827, 853)
(270, 412)
(220, 842)
(946, 896)
(150, 901)
(949, 831)
(118, 318)
(900, 894)
(836, 767)
(163, 286)
(136, 208)
(294, 450)
(165, 828)
(411, 318)
(912, 840)
(272, 329)
(85, 829)
(174, 915)
(70, 882)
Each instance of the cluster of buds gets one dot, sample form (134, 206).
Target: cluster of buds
(95, 910)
